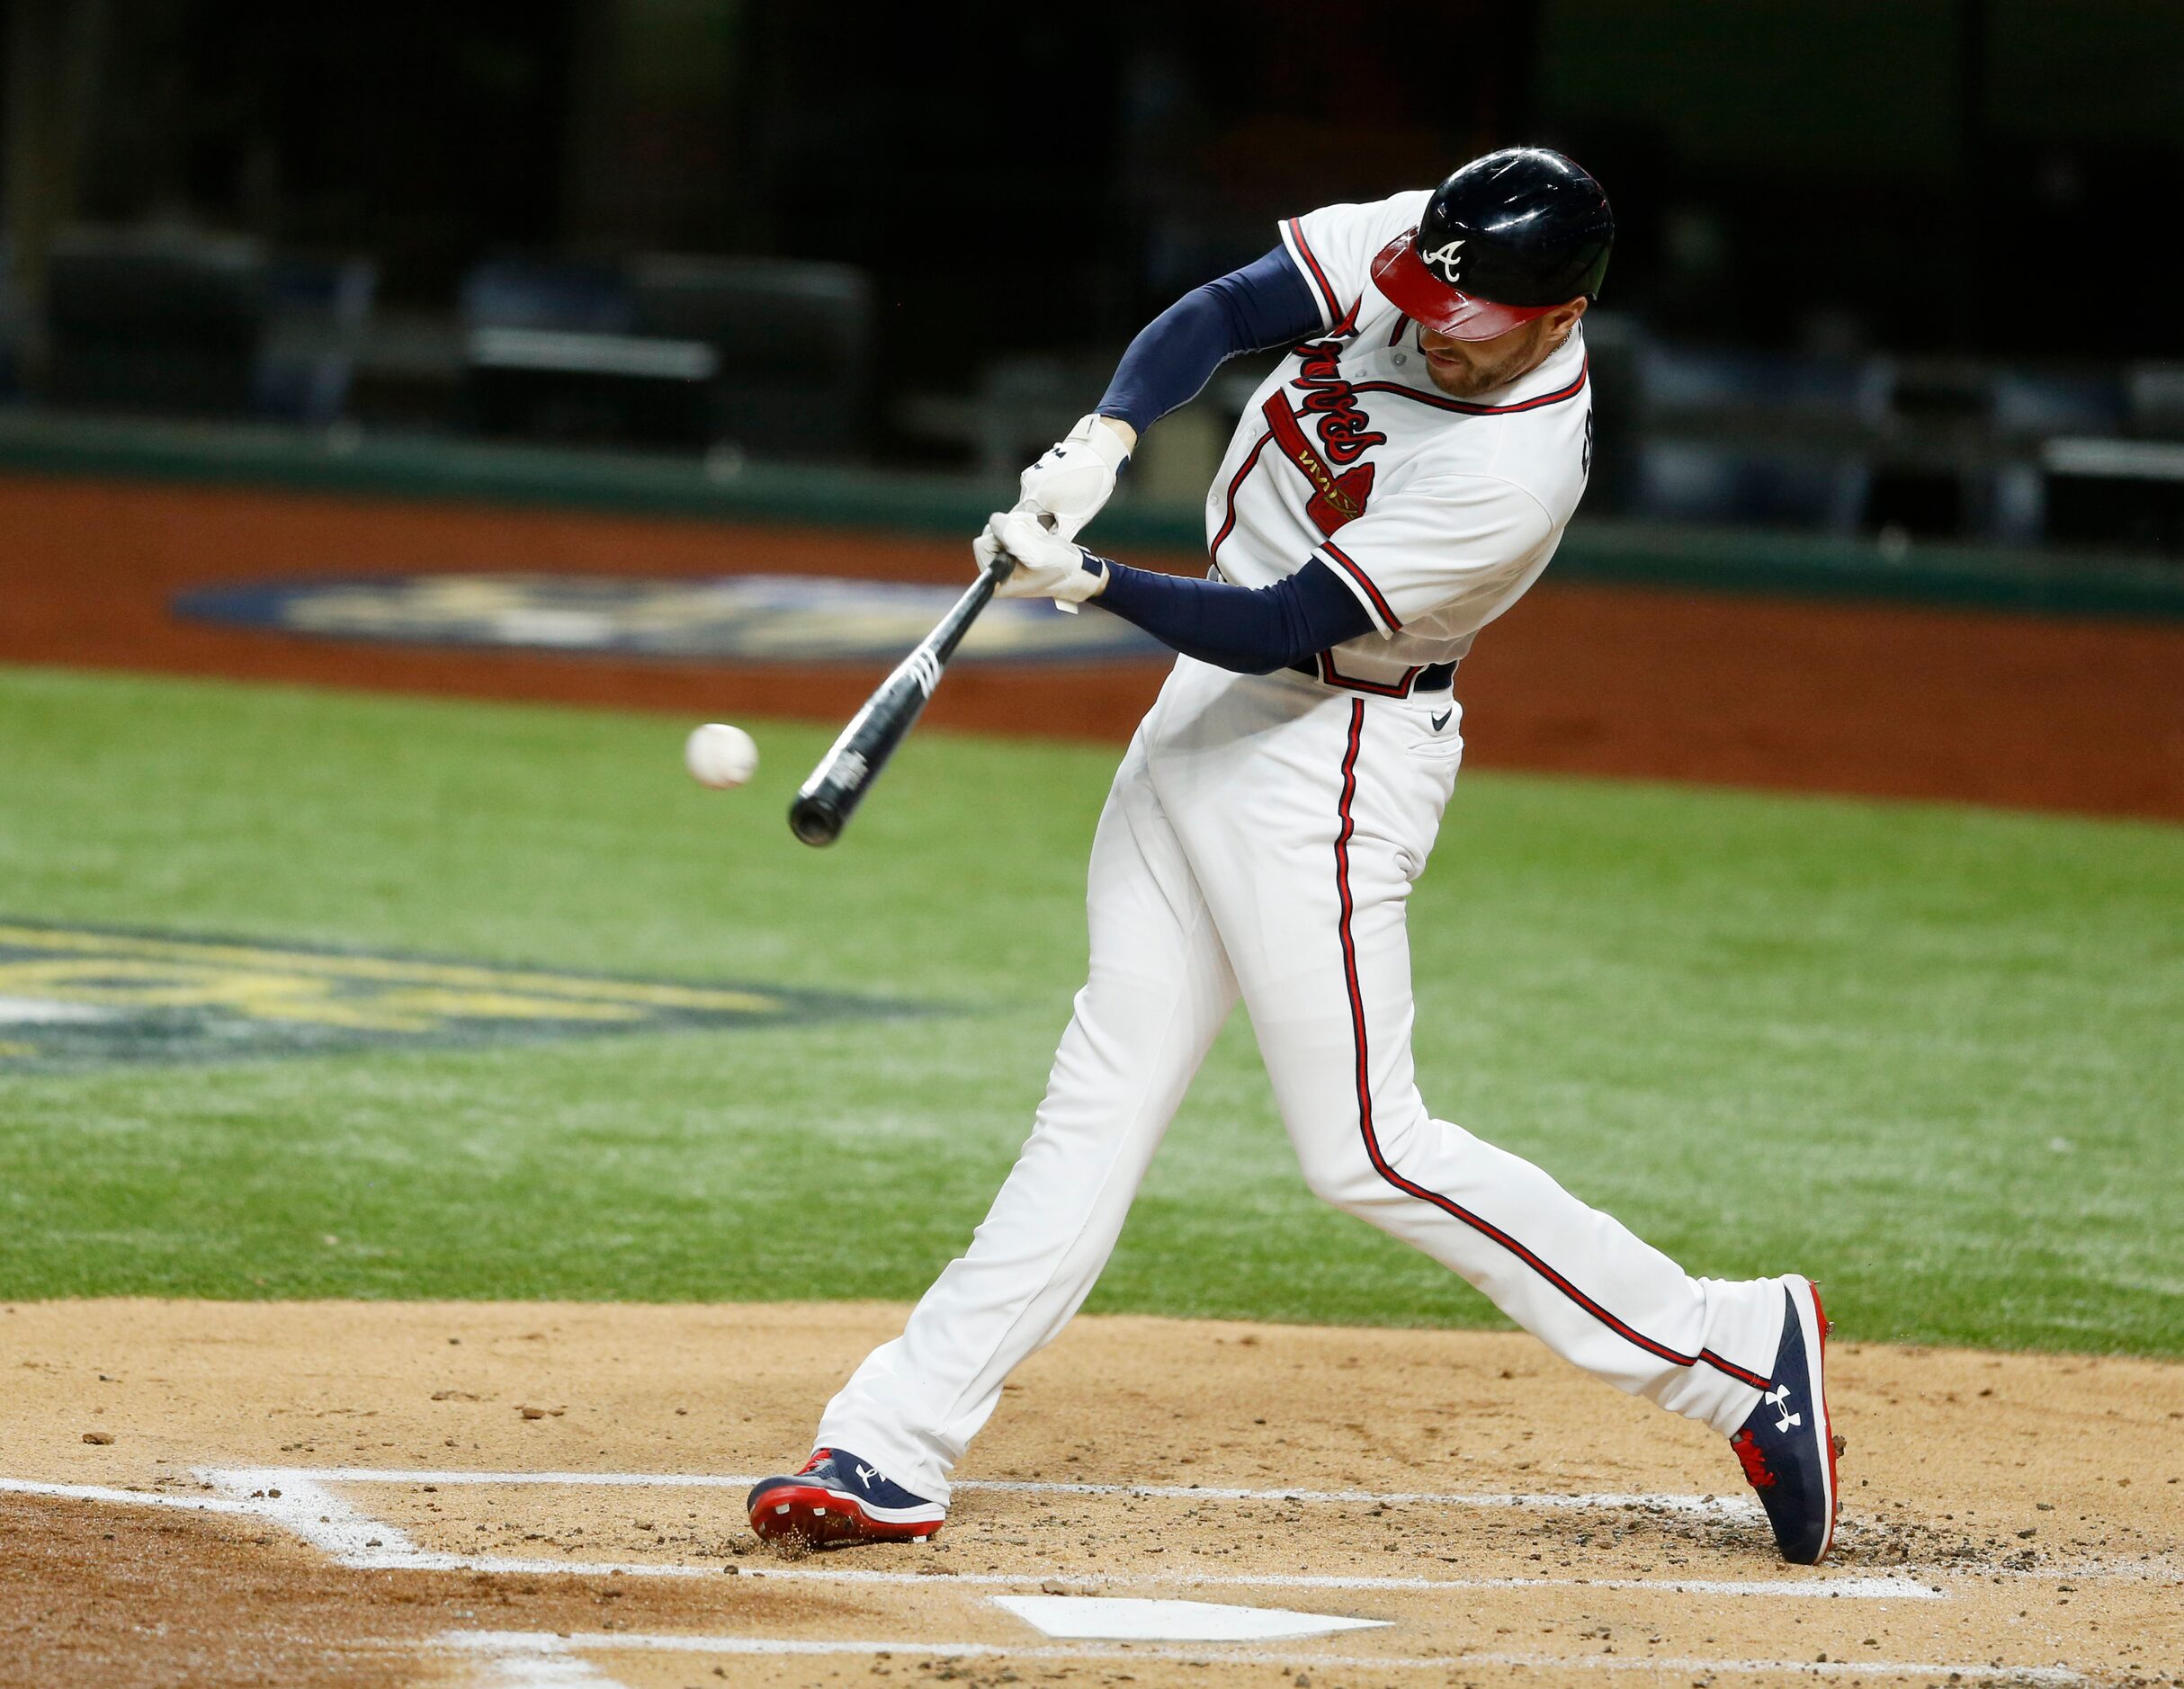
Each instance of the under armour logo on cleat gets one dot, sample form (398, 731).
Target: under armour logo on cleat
(1778, 1400)
(865, 1476)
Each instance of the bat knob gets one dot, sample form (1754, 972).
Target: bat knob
(815, 821)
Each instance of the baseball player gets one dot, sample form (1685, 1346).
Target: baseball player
(1395, 484)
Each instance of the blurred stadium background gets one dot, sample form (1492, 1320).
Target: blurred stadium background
(1887, 278)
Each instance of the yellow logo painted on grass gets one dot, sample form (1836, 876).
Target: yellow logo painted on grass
(76, 995)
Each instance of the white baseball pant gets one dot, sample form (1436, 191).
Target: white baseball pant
(1261, 839)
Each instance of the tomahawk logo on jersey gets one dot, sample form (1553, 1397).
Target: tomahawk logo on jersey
(1349, 453)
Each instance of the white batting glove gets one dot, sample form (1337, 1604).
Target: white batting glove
(1076, 475)
(1047, 566)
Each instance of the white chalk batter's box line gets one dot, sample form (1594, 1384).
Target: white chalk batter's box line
(527, 1659)
(299, 1499)
(1896, 1586)
(309, 1510)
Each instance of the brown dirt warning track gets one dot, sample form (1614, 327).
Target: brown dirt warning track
(1983, 708)
(387, 1515)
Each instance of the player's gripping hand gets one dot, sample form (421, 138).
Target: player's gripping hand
(1047, 566)
(1076, 475)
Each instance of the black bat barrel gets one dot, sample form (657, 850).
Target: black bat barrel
(850, 768)
(816, 819)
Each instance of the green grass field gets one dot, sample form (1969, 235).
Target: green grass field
(1928, 1055)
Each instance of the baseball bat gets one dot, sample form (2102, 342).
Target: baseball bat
(826, 801)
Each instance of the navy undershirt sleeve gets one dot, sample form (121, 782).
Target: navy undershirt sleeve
(1252, 630)
(1267, 303)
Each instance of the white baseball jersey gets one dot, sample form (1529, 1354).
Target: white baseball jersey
(1259, 845)
(1436, 512)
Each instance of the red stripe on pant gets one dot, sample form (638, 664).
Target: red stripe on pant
(1365, 1106)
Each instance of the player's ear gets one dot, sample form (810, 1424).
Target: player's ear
(1561, 319)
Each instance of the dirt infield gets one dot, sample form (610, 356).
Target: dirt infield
(379, 1508)
(2083, 715)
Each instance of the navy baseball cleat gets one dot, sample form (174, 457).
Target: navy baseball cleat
(837, 1499)
(1788, 1447)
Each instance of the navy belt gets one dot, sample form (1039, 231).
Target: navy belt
(1433, 677)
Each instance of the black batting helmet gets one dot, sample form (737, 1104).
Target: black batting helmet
(1507, 238)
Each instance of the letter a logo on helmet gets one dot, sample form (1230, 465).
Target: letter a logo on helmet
(1503, 241)
(1446, 262)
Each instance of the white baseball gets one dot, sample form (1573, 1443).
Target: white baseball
(717, 755)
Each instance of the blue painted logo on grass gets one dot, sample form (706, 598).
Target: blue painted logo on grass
(748, 618)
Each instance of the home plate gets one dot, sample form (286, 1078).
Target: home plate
(1124, 1618)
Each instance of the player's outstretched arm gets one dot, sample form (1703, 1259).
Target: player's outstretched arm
(1252, 631)
(1267, 303)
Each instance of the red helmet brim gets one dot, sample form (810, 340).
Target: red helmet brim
(1423, 297)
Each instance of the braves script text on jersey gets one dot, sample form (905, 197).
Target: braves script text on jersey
(1260, 841)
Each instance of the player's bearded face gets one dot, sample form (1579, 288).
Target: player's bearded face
(1464, 369)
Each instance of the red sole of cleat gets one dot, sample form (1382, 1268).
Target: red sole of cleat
(819, 1519)
(1827, 1426)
